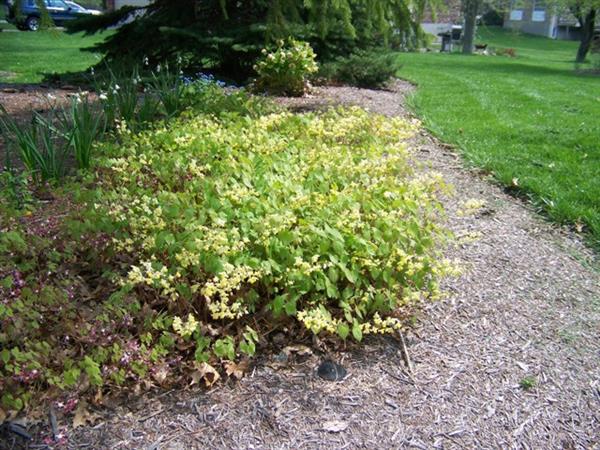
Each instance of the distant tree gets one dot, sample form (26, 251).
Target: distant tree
(470, 10)
(586, 12)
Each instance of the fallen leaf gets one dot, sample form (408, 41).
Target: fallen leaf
(2, 415)
(161, 374)
(236, 370)
(98, 398)
(207, 373)
(83, 415)
(335, 426)
(299, 349)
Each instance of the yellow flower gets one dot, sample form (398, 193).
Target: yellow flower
(185, 329)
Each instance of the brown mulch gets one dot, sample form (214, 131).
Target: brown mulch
(526, 307)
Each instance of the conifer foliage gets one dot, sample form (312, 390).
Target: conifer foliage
(226, 36)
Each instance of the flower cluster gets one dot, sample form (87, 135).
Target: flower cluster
(159, 279)
(203, 78)
(185, 329)
(317, 320)
(220, 292)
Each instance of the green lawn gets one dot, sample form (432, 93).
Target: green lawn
(25, 56)
(531, 119)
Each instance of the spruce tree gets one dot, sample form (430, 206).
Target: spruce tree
(226, 36)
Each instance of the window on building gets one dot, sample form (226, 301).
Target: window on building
(538, 13)
(516, 10)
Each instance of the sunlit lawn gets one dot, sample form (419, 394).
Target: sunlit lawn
(530, 120)
(25, 57)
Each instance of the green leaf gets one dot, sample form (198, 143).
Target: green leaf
(347, 273)
(247, 347)
(224, 348)
(343, 330)
(92, 369)
(5, 355)
(202, 344)
(71, 376)
(290, 307)
(356, 331)
(278, 304)
(331, 289)
(212, 264)
(333, 274)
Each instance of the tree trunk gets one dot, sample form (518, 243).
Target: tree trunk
(587, 34)
(470, 8)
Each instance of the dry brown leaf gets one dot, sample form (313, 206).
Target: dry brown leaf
(299, 349)
(2, 415)
(236, 370)
(207, 373)
(98, 397)
(82, 415)
(161, 374)
(335, 426)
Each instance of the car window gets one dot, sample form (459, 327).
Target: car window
(57, 4)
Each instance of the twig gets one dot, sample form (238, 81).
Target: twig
(53, 424)
(399, 378)
(150, 416)
(404, 352)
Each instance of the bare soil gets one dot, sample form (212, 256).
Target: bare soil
(511, 359)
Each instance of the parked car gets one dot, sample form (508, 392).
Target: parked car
(81, 10)
(60, 12)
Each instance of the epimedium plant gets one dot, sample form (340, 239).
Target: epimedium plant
(319, 218)
(202, 233)
(285, 69)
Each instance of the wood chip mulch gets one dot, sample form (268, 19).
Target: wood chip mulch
(526, 308)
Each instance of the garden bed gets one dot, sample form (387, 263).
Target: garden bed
(509, 359)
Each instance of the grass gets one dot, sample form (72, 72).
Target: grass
(27, 56)
(531, 121)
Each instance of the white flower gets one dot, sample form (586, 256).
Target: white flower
(92, 71)
(158, 68)
(117, 87)
(103, 96)
(146, 62)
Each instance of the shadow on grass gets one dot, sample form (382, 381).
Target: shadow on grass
(503, 65)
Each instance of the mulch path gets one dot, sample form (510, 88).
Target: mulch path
(526, 308)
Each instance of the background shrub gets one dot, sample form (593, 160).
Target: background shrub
(285, 70)
(366, 70)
